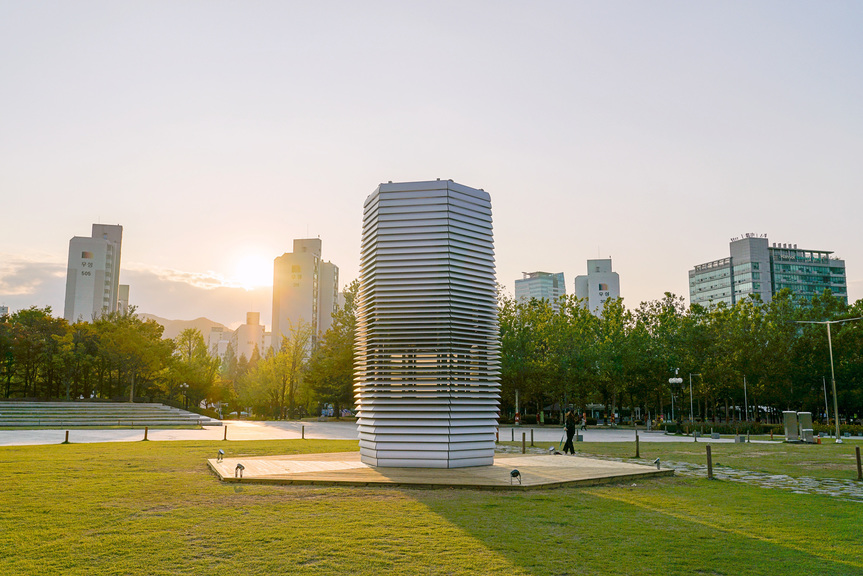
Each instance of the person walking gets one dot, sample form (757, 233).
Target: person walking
(569, 423)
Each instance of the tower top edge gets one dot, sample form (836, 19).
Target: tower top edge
(428, 185)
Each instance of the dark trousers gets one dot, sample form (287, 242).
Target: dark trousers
(570, 432)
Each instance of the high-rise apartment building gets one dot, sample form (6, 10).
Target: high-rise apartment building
(123, 299)
(542, 286)
(305, 289)
(249, 336)
(93, 274)
(600, 284)
(218, 341)
(4, 310)
(755, 267)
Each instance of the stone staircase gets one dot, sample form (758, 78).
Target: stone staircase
(100, 414)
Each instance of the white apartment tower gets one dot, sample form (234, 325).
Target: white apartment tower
(598, 285)
(93, 274)
(305, 289)
(249, 336)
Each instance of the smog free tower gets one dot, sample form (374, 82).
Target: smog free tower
(427, 362)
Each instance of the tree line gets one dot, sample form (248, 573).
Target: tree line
(552, 357)
(121, 356)
(749, 361)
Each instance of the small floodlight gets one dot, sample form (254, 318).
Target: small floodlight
(239, 470)
(657, 463)
(220, 456)
(514, 475)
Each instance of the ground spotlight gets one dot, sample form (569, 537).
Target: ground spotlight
(220, 456)
(239, 470)
(657, 463)
(514, 475)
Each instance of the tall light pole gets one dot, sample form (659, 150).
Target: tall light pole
(832, 373)
(674, 382)
(691, 419)
(826, 408)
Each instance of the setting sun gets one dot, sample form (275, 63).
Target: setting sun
(253, 271)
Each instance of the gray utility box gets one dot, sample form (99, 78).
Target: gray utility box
(798, 427)
(804, 420)
(792, 433)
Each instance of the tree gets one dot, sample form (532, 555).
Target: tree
(33, 332)
(331, 366)
(133, 348)
(191, 365)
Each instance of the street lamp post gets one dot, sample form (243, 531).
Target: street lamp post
(185, 387)
(674, 382)
(832, 373)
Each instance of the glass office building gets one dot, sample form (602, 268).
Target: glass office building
(756, 267)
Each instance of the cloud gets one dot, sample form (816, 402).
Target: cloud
(180, 295)
(26, 282)
(204, 280)
(172, 294)
(20, 276)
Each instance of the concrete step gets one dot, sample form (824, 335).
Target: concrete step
(52, 414)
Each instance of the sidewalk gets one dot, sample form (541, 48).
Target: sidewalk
(236, 430)
(332, 430)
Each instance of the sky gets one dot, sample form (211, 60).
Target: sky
(216, 132)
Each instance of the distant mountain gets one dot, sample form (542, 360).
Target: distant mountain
(174, 327)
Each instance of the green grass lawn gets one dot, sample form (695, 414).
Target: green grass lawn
(828, 460)
(154, 508)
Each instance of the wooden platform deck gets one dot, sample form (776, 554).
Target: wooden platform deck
(344, 468)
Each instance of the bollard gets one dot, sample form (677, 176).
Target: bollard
(859, 467)
(146, 429)
(637, 452)
(695, 436)
(771, 433)
(747, 436)
(304, 432)
(531, 437)
(523, 450)
(709, 464)
(512, 430)
(496, 436)
(226, 433)
(66, 441)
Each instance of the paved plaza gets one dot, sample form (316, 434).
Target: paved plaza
(535, 471)
(331, 430)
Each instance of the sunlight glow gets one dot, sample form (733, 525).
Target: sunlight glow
(253, 271)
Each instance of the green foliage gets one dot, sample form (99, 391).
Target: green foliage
(329, 374)
(626, 358)
(272, 385)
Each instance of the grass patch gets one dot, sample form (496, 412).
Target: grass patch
(829, 460)
(154, 508)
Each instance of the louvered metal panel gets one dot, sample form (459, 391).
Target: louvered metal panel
(427, 369)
